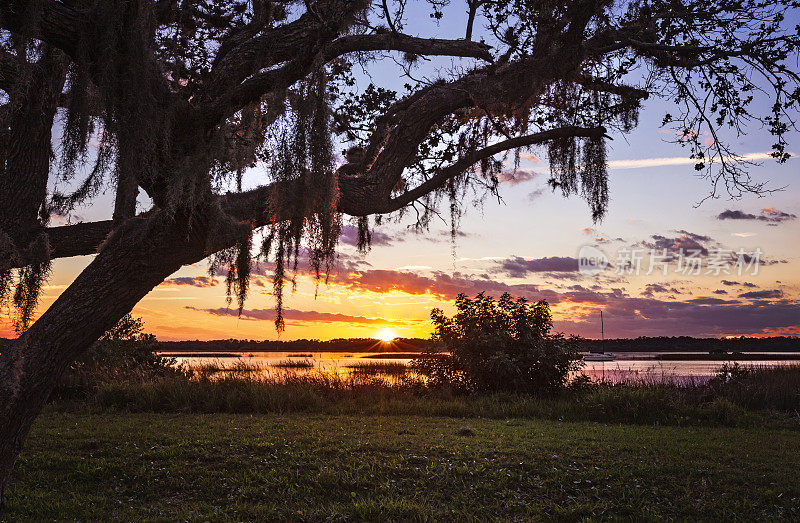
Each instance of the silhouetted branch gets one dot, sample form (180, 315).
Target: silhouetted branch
(281, 77)
(443, 175)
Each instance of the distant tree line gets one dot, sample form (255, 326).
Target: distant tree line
(689, 344)
(640, 344)
(335, 345)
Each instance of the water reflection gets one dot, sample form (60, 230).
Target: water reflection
(276, 365)
(391, 367)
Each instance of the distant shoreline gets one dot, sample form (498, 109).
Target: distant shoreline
(661, 356)
(663, 348)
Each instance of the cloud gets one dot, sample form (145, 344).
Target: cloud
(710, 301)
(349, 236)
(518, 267)
(297, 316)
(739, 283)
(438, 284)
(576, 308)
(770, 215)
(628, 317)
(653, 288)
(513, 177)
(192, 281)
(535, 194)
(763, 295)
(735, 215)
(602, 240)
(688, 241)
(674, 160)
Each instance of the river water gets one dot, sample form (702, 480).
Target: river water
(638, 366)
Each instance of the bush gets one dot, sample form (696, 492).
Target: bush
(498, 346)
(123, 354)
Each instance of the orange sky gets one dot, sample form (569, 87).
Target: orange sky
(407, 274)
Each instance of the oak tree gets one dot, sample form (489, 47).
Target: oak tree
(177, 99)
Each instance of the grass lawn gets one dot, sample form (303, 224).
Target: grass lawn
(316, 466)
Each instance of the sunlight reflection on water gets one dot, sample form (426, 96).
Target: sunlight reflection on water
(641, 366)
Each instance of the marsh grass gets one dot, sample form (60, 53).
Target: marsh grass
(758, 386)
(240, 369)
(294, 364)
(766, 394)
(390, 368)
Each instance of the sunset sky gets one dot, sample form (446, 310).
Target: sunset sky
(527, 245)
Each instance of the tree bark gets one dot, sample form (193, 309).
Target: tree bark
(136, 258)
(26, 147)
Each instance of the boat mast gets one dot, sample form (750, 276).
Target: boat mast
(602, 333)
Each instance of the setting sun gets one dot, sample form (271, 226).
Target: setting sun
(386, 335)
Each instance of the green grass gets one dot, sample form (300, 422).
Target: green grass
(321, 466)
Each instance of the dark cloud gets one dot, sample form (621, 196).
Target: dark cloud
(761, 295)
(625, 315)
(771, 215)
(518, 267)
(629, 317)
(739, 283)
(294, 315)
(735, 215)
(192, 281)
(577, 288)
(653, 288)
(603, 240)
(535, 194)
(653, 313)
(688, 241)
(349, 236)
(720, 291)
(710, 301)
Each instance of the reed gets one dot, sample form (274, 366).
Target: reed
(294, 364)
(391, 368)
(750, 397)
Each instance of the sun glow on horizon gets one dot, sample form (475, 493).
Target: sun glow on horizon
(386, 334)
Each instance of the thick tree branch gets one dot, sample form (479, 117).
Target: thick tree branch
(8, 70)
(269, 203)
(494, 90)
(625, 91)
(236, 61)
(279, 78)
(408, 44)
(441, 177)
(57, 24)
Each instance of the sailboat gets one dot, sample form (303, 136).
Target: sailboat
(599, 355)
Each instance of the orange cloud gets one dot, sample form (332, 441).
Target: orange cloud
(192, 281)
(299, 316)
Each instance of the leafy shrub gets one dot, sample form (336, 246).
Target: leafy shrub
(123, 354)
(500, 346)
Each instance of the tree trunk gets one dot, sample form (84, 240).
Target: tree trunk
(136, 258)
(26, 147)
